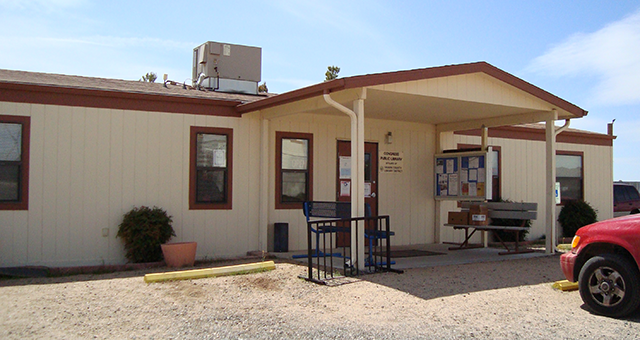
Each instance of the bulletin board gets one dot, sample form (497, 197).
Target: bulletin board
(463, 175)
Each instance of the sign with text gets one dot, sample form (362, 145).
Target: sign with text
(391, 161)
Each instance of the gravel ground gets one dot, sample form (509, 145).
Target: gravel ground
(510, 299)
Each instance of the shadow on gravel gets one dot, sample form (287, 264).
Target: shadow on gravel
(436, 282)
(634, 317)
(94, 273)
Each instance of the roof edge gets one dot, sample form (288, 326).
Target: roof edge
(572, 136)
(109, 99)
(411, 75)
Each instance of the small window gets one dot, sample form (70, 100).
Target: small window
(210, 169)
(14, 162)
(293, 174)
(632, 193)
(569, 174)
(367, 167)
(619, 194)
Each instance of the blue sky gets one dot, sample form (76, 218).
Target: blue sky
(587, 52)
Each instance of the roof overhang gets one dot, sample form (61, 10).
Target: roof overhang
(455, 97)
(109, 99)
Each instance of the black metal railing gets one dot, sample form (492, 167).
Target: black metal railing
(326, 260)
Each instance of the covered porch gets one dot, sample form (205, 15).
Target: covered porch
(439, 100)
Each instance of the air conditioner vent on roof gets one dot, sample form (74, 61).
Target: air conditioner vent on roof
(227, 68)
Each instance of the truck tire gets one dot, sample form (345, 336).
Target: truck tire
(610, 285)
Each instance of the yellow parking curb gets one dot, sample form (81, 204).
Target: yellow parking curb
(211, 272)
(565, 285)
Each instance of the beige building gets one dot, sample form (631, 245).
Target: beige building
(80, 152)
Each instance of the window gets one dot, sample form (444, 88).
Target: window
(210, 168)
(569, 173)
(624, 193)
(294, 162)
(14, 162)
(495, 174)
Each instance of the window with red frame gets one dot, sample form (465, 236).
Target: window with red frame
(210, 168)
(294, 169)
(569, 172)
(14, 162)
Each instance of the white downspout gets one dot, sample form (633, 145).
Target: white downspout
(357, 202)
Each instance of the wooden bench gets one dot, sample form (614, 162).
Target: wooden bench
(521, 212)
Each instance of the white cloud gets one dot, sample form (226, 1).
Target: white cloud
(344, 17)
(40, 5)
(281, 85)
(612, 54)
(98, 40)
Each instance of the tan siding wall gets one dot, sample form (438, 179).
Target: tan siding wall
(523, 175)
(471, 87)
(89, 166)
(406, 197)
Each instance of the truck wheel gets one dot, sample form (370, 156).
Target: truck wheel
(610, 285)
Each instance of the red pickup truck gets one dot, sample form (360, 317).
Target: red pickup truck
(604, 260)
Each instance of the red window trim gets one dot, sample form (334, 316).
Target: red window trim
(23, 203)
(193, 205)
(293, 135)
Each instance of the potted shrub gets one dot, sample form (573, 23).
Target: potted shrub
(143, 230)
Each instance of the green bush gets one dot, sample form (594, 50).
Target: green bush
(575, 215)
(509, 236)
(143, 230)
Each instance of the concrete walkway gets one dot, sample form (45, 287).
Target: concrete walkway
(446, 257)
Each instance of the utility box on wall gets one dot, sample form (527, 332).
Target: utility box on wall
(281, 237)
(227, 67)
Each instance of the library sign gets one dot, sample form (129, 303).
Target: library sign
(391, 161)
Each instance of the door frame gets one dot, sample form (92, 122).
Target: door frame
(373, 147)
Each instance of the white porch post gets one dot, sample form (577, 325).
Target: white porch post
(550, 134)
(484, 144)
(357, 180)
(264, 185)
(484, 138)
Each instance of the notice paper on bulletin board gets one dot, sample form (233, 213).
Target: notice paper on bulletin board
(463, 175)
(475, 166)
(447, 176)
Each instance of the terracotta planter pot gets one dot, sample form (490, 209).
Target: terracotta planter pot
(179, 254)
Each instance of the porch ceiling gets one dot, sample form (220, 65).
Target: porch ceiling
(389, 105)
